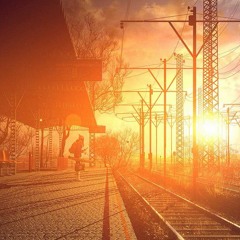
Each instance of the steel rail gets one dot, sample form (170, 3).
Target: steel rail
(213, 217)
(167, 224)
(232, 225)
(205, 181)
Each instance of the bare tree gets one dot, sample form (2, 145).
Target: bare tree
(129, 142)
(92, 40)
(108, 93)
(107, 148)
(24, 135)
(118, 148)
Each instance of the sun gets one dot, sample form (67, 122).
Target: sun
(209, 128)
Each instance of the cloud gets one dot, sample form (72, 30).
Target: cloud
(147, 42)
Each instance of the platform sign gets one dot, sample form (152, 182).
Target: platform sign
(80, 70)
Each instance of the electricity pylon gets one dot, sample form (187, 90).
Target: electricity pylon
(210, 154)
(179, 111)
(209, 9)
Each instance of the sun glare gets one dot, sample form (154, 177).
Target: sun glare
(209, 128)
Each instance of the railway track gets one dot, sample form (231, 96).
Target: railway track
(228, 185)
(182, 218)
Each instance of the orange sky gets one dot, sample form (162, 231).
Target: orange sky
(144, 44)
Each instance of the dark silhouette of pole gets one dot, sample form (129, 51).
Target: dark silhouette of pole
(228, 130)
(142, 136)
(228, 137)
(192, 22)
(171, 138)
(42, 140)
(150, 127)
(156, 137)
(165, 120)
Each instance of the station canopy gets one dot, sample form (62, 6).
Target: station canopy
(41, 79)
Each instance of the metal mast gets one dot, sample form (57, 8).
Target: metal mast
(37, 146)
(179, 111)
(13, 107)
(50, 146)
(210, 80)
(92, 135)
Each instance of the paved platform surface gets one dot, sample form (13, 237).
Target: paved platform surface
(54, 205)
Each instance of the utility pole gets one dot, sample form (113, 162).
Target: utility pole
(228, 137)
(142, 123)
(171, 124)
(192, 22)
(142, 115)
(194, 53)
(156, 124)
(13, 107)
(150, 127)
(92, 135)
(140, 138)
(42, 141)
(164, 90)
(228, 122)
(150, 106)
(165, 118)
(140, 120)
(156, 138)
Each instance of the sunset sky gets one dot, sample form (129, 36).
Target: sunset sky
(145, 44)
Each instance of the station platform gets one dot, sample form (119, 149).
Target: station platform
(54, 205)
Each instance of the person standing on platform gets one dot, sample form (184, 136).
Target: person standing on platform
(78, 168)
(77, 150)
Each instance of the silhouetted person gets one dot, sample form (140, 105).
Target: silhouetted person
(77, 149)
(77, 146)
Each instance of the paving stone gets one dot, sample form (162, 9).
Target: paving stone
(53, 205)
